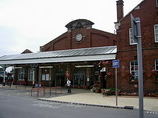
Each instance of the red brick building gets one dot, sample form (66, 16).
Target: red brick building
(85, 54)
(89, 37)
(147, 11)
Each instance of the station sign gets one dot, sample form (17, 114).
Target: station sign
(116, 63)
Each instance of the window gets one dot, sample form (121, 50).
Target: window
(45, 77)
(134, 70)
(132, 42)
(156, 64)
(156, 3)
(156, 71)
(21, 74)
(156, 32)
(137, 7)
(30, 74)
(45, 74)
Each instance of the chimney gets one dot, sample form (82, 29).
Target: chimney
(120, 13)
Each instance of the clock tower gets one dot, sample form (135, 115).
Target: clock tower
(76, 27)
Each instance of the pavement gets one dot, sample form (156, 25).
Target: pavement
(86, 97)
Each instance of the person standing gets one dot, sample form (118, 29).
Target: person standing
(68, 85)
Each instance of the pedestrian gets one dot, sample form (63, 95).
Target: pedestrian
(68, 85)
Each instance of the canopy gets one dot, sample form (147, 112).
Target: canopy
(71, 55)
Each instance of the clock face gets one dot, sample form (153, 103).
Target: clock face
(78, 37)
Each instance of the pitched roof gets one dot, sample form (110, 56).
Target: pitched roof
(27, 51)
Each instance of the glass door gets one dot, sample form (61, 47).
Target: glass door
(60, 78)
(79, 78)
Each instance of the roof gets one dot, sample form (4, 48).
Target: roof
(132, 10)
(71, 55)
(27, 51)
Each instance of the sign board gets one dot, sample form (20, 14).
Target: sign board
(135, 22)
(116, 63)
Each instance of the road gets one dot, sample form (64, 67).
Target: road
(18, 104)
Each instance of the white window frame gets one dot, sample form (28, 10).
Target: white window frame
(156, 32)
(156, 3)
(132, 41)
(21, 74)
(134, 69)
(30, 74)
(45, 77)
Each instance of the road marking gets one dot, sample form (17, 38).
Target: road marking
(53, 105)
(152, 112)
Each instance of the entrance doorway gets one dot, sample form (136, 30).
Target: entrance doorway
(103, 80)
(96, 76)
(79, 78)
(103, 77)
(60, 78)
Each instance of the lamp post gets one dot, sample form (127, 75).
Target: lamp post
(136, 36)
(33, 79)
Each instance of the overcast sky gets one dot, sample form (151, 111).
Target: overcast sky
(29, 24)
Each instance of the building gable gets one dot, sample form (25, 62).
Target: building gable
(90, 37)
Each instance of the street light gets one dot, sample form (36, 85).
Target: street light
(33, 66)
(136, 35)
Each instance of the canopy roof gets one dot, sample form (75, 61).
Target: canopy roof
(71, 55)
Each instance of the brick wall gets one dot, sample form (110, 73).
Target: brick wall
(148, 14)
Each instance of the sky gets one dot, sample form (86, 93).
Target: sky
(29, 24)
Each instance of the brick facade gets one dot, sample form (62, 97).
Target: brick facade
(92, 38)
(148, 13)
